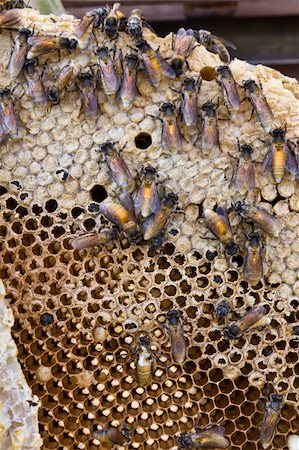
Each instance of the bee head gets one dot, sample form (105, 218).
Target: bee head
(249, 85)
(278, 134)
(184, 441)
(102, 52)
(30, 65)
(254, 239)
(202, 36)
(209, 108)
(231, 249)
(246, 150)
(276, 401)
(171, 199)
(84, 76)
(150, 170)
(132, 59)
(223, 70)
(25, 33)
(107, 147)
(189, 84)
(231, 332)
(156, 242)
(53, 95)
(144, 341)
(173, 317)
(239, 206)
(222, 309)
(177, 65)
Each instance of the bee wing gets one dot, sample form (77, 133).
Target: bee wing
(244, 176)
(109, 76)
(166, 68)
(89, 102)
(183, 42)
(171, 136)
(84, 25)
(268, 427)
(153, 68)
(291, 163)
(178, 343)
(231, 92)
(40, 45)
(225, 42)
(268, 160)
(17, 60)
(10, 18)
(155, 224)
(251, 317)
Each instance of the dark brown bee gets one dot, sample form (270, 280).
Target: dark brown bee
(41, 45)
(144, 361)
(189, 107)
(136, 23)
(114, 22)
(260, 216)
(10, 4)
(119, 436)
(88, 93)
(250, 318)
(122, 218)
(10, 19)
(128, 88)
(218, 223)
(209, 437)
(182, 45)
(18, 54)
(119, 171)
(65, 76)
(147, 200)
(8, 115)
(214, 44)
(223, 308)
(156, 223)
(253, 263)
(259, 104)
(92, 19)
(229, 87)
(109, 77)
(91, 239)
(243, 179)
(176, 334)
(154, 64)
(171, 135)
(279, 157)
(271, 417)
(34, 83)
(209, 129)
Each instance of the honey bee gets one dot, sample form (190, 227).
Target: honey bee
(65, 76)
(223, 308)
(154, 64)
(250, 318)
(122, 218)
(253, 263)
(114, 22)
(92, 19)
(91, 239)
(41, 45)
(271, 417)
(18, 54)
(120, 436)
(128, 88)
(218, 223)
(209, 129)
(176, 333)
(157, 222)
(8, 115)
(147, 200)
(259, 104)
(243, 179)
(10, 19)
(182, 45)
(109, 77)
(136, 23)
(144, 361)
(34, 83)
(229, 87)
(279, 157)
(295, 149)
(260, 216)
(171, 135)
(119, 171)
(10, 4)
(214, 44)
(88, 95)
(209, 437)
(190, 90)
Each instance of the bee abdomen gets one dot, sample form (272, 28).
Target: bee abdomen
(278, 165)
(143, 374)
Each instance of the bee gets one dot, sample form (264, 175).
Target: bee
(18, 54)
(9, 4)
(176, 333)
(144, 361)
(109, 77)
(128, 88)
(279, 157)
(171, 135)
(88, 95)
(157, 222)
(218, 223)
(259, 104)
(214, 44)
(91, 239)
(229, 87)
(154, 64)
(209, 129)
(120, 436)
(10, 20)
(294, 147)
(189, 107)
(119, 171)
(260, 216)
(92, 19)
(250, 318)
(34, 83)
(114, 21)
(271, 417)
(122, 218)
(243, 179)
(41, 45)
(222, 309)
(182, 45)
(8, 115)
(253, 263)
(64, 77)
(147, 200)
(209, 437)
(135, 24)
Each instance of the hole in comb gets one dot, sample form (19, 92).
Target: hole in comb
(143, 141)
(98, 193)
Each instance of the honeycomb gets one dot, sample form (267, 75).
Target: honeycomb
(78, 314)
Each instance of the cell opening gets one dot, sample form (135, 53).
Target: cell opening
(143, 140)
(98, 193)
(51, 205)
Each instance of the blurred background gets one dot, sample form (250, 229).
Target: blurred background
(264, 31)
